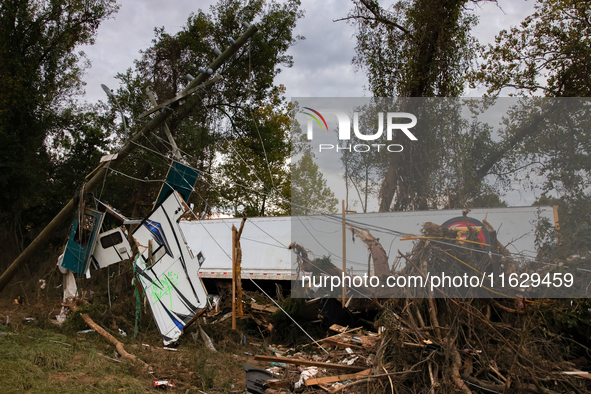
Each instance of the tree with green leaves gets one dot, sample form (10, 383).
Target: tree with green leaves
(310, 193)
(40, 125)
(254, 170)
(414, 48)
(235, 115)
(549, 52)
(546, 139)
(363, 172)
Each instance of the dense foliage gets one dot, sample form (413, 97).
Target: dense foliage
(42, 130)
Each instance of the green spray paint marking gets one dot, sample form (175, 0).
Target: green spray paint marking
(166, 283)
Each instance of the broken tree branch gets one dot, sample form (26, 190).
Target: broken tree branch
(378, 254)
(110, 338)
(207, 340)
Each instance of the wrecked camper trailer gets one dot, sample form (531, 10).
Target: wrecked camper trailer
(167, 271)
(166, 267)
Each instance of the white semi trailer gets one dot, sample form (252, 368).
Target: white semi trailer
(265, 240)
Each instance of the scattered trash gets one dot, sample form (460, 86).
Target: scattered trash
(86, 331)
(61, 343)
(122, 333)
(306, 374)
(63, 315)
(276, 364)
(43, 284)
(163, 383)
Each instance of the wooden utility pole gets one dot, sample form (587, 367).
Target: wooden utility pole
(99, 175)
(344, 254)
(239, 266)
(556, 223)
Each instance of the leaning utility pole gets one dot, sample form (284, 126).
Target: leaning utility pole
(99, 175)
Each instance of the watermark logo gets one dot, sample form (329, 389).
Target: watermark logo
(316, 119)
(344, 129)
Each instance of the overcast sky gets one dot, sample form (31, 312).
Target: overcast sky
(322, 62)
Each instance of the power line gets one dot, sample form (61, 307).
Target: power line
(333, 218)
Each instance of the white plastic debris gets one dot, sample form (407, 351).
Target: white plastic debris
(306, 374)
(70, 288)
(63, 315)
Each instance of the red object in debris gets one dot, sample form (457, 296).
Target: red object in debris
(163, 383)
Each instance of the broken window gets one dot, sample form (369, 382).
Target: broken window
(111, 240)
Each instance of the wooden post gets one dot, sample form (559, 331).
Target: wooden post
(66, 213)
(344, 254)
(234, 233)
(150, 254)
(238, 267)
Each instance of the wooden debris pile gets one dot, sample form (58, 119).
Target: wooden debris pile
(254, 308)
(347, 360)
(480, 345)
(450, 345)
(260, 313)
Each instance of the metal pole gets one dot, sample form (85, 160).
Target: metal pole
(66, 213)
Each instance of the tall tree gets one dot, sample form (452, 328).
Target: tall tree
(414, 48)
(364, 171)
(548, 53)
(236, 113)
(310, 193)
(254, 173)
(41, 70)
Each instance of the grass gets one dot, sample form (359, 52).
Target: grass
(31, 362)
(42, 358)
(32, 359)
